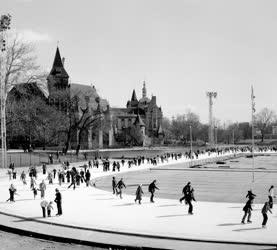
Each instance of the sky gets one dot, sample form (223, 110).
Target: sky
(181, 48)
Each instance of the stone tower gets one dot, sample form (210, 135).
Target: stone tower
(58, 77)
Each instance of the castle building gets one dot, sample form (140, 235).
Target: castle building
(144, 109)
(141, 117)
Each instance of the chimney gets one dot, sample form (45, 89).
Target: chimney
(63, 59)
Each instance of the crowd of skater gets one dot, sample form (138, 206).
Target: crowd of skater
(72, 177)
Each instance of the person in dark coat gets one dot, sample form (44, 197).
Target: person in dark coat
(185, 191)
(247, 211)
(68, 176)
(139, 193)
(87, 178)
(43, 168)
(120, 186)
(265, 209)
(271, 196)
(54, 171)
(73, 180)
(114, 184)
(189, 199)
(12, 191)
(58, 201)
(151, 188)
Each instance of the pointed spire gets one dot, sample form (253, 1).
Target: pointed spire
(134, 96)
(144, 91)
(58, 60)
(58, 67)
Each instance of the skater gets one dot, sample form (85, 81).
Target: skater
(265, 209)
(58, 201)
(151, 188)
(54, 172)
(44, 205)
(43, 168)
(185, 191)
(120, 186)
(50, 178)
(42, 188)
(189, 199)
(32, 183)
(35, 192)
(23, 177)
(114, 185)
(139, 193)
(87, 178)
(12, 191)
(247, 211)
(271, 196)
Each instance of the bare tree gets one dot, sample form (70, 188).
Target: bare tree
(264, 119)
(19, 66)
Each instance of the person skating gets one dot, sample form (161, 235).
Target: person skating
(58, 201)
(189, 199)
(139, 193)
(120, 186)
(32, 182)
(271, 196)
(73, 180)
(265, 209)
(186, 189)
(151, 188)
(87, 178)
(247, 211)
(23, 177)
(42, 188)
(114, 185)
(12, 192)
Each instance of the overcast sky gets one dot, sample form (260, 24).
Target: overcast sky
(182, 48)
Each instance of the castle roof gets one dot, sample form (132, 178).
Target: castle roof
(87, 93)
(134, 96)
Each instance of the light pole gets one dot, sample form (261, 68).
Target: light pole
(190, 132)
(4, 26)
(253, 110)
(211, 95)
(215, 141)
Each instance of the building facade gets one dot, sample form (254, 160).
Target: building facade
(139, 123)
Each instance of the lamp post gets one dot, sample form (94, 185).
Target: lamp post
(211, 95)
(4, 26)
(253, 110)
(190, 132)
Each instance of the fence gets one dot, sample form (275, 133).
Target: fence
(21, 159)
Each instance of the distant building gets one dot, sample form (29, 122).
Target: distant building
(144, 110)
(139, 123)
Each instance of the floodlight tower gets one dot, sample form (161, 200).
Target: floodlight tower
(5, 21)
(211, 95)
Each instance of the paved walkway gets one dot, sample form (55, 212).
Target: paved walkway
(90, 214)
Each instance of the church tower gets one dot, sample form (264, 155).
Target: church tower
(58, 77)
